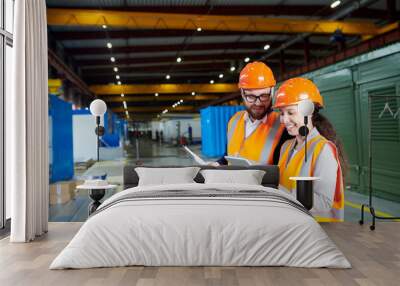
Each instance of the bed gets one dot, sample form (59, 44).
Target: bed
(201, 224)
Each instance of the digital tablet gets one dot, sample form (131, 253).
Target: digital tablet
(238, 161)
(196, 157)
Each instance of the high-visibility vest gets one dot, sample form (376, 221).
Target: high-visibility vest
(261, 144)
(296, 167)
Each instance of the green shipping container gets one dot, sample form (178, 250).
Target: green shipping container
(346, 87)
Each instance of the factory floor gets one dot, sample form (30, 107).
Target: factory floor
(73, 206)
(374, 257)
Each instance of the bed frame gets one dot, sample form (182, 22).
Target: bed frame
(270, 179)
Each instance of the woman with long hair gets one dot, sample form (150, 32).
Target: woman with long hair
(325, 157)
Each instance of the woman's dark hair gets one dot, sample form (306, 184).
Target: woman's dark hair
(326, 129)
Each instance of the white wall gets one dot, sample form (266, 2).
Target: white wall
(85, 140)
(170, 131)
(196, 127)
(155, 126)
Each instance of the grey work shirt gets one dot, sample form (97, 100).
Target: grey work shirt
(251, 126)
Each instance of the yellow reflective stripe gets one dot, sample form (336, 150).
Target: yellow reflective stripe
(327, 219)
(295, 166)
(336, 213)
(283, 163)
(252, 145)
(379, 213)
(339, 191)
(284, 153)
(232, 124)
(271, 139)
(292, 167)
(235, 143)
(317, 151)
(331, 213)
(260, 145)
(313, 152)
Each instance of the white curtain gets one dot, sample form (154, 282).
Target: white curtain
(27, 124)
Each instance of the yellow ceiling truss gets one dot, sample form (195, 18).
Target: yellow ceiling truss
(152, 98)
(160, 21)
(167, 88)
(383, 30)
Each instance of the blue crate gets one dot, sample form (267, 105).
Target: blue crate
(61, 141)
(214, 123)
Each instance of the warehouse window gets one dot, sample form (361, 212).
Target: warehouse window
(6, 63)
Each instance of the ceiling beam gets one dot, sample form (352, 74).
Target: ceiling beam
(190, 47)
(141, 33)
(208, 65)
(146, 109)
(385, 29)
(152, 80)
(192, 67)
(165, 21)
(137, 98)
(134, 74)
(390, 37)
(279, 10)
(172, 59)
(167, 88)
(62, 69)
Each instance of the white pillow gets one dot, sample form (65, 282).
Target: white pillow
(166, 176)
(248, 177)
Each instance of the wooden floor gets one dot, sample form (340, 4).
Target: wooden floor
(375, 257)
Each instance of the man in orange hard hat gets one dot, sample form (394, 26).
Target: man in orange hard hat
(256, 133)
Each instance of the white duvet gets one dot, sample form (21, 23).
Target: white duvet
(200, 231)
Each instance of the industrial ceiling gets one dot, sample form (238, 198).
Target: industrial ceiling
(182, 55)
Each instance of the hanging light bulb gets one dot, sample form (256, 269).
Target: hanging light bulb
(335, 4)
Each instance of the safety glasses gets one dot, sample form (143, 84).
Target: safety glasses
(251, 98)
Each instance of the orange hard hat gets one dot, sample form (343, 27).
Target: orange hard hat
(295, 90)
(256, 75)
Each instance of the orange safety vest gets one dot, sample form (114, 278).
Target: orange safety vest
(296, 167)
(261, 144)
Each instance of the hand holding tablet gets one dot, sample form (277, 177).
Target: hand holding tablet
(238, 161)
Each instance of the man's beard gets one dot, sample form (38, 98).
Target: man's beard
(258, 114)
